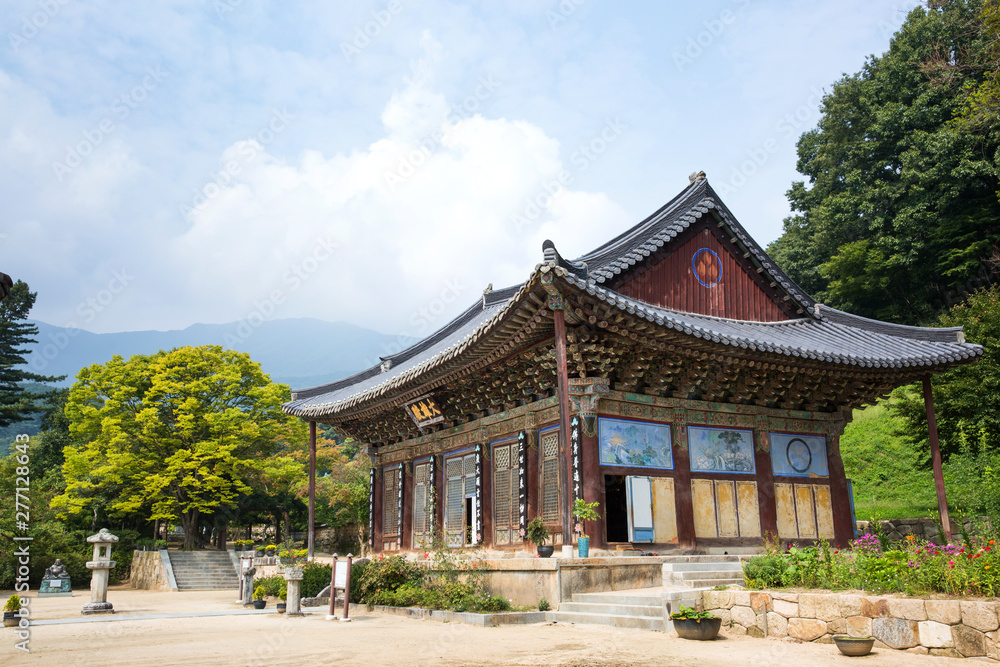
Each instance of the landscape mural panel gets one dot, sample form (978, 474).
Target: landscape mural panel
(721, 450)
(635, 444)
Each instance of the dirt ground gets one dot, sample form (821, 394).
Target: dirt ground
(266, 639)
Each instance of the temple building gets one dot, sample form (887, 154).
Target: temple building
(675, 375)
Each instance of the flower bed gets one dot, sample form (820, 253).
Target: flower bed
(913, 566)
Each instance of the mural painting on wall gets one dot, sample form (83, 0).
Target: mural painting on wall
(799, 455)
(635, 444)
(721, 450)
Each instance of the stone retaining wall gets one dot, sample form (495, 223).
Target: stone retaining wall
(150, 572)
(925, 528)
(955, 628)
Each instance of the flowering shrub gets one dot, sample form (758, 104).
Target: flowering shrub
(913, 567)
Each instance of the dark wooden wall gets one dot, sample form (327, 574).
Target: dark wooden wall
(670, 282)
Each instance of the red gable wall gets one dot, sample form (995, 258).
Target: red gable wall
(671, 282)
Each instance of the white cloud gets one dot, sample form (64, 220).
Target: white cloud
(428, 205)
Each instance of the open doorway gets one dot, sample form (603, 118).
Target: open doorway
(470, 521)
(616, 509)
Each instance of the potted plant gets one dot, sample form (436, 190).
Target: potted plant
(161, 545)
(237, 545)
(11, 611)
(537, 533)
(584, 511)
(270, 549)
(282, 595)
(258, 598)
(261, 549)
(691, 624)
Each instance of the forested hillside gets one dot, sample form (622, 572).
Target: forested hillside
(898, 218)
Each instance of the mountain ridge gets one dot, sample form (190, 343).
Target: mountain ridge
(301, 352)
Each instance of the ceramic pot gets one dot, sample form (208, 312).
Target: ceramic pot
(854, 646)
(701, 629)
(583, 546)
(545, 550)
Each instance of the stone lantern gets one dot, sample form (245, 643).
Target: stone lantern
(101, 565)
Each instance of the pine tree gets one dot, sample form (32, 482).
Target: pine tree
(16, 403)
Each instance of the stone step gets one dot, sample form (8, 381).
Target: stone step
(704, 575)
(704, 559)
(204, 571)
(637, 622)
(612, 609)
(703, 567)
(712, 583)
(616, 598)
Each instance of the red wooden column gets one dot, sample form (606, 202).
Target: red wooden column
(562, 378)
(312, 488)
(932, 435)
(843, 529)
(767, 508)
(406, 520)
(682, 483)
(486, 530)
(377, 511)
(593, 482)
(531, 470)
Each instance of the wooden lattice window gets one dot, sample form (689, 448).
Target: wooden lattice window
(423, 505)
(390, 504)
(506, 519)
(460, 473)
(549, 477)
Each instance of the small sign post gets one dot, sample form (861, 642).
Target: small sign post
(340, 577)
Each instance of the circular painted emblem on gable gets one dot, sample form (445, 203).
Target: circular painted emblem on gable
(799, 455)
(707, 267)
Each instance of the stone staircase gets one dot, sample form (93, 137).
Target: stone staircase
(643, 609)
(618, 609)
(203, 571)
(703, 571)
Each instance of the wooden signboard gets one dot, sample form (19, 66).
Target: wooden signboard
(424, 411)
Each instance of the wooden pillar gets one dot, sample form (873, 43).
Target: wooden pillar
(377, 511)
(406, 516)
(312, 489)
(593, 484)
(932, 435)
(767, 508)
(532, 482)
(682, 484)
(565, 470)
(440, 498)
(843, 529)
(486, 491)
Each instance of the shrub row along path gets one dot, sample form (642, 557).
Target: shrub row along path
(264, 639)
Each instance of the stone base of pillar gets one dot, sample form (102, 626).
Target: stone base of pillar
(98, 608)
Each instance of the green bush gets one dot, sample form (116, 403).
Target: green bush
(315, 577)
(272, 585)
(387, 574)
(764, 571)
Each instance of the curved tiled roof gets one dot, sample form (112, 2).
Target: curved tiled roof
(836, 337)
(824, 334)
(446, 343)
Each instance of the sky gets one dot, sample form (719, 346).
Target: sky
(381, 162)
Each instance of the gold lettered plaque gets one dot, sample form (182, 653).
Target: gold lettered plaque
(424, 411)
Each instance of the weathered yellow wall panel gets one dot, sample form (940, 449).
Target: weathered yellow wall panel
(784, 501)
(664, 510)
(749, 512)
(725, 506)
(824, 511)
(805, 511)
(703, 498)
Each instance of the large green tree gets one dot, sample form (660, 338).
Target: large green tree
(899, 215)
(173, 435)
(16, 403)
